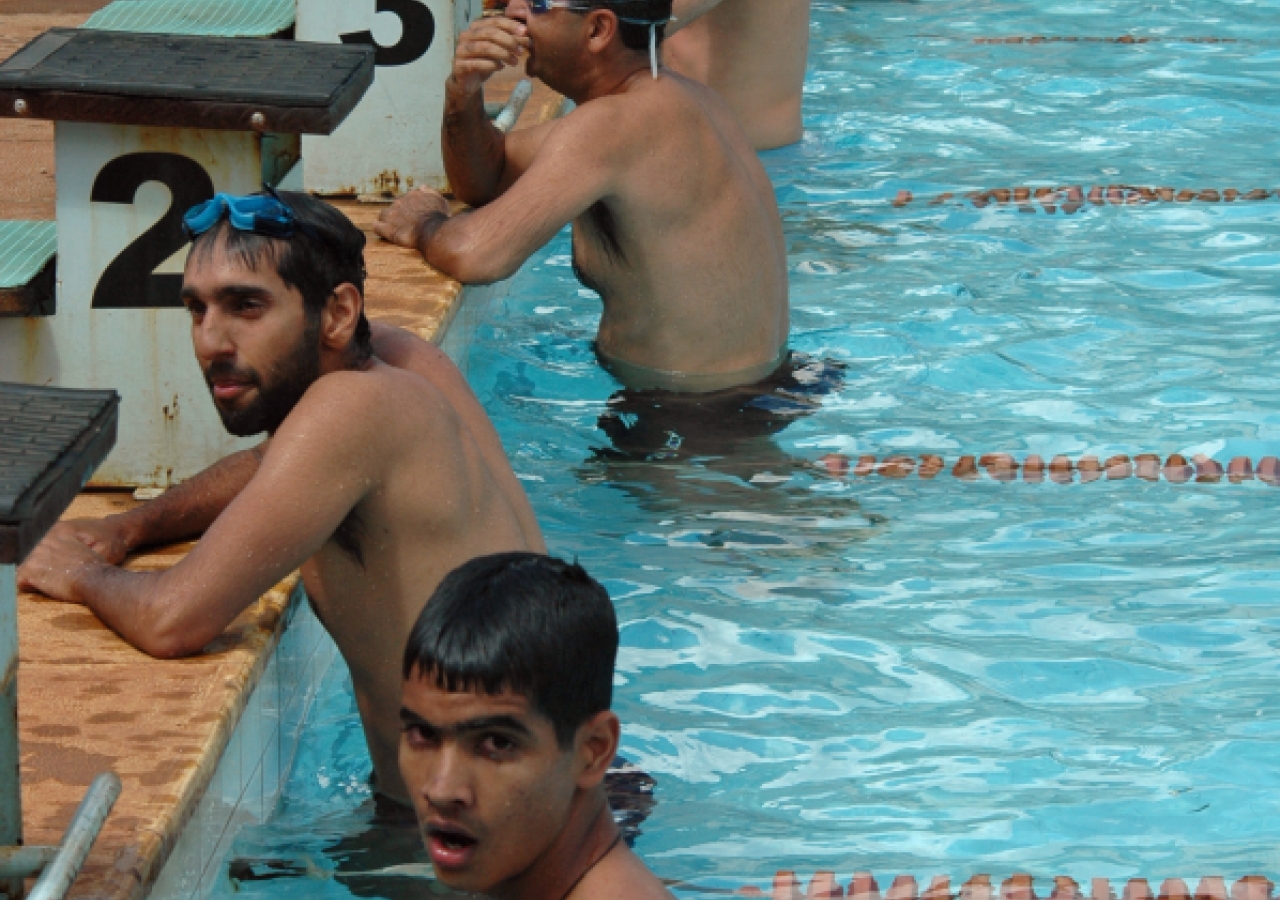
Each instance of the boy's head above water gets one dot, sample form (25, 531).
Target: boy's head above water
(508, 679)
(270, 315)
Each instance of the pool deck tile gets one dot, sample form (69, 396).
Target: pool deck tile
(89, 703)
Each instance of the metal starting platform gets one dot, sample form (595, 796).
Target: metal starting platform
(51, 440)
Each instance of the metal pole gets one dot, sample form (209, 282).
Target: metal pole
(78, 841)
(10, 791)
(519, 97)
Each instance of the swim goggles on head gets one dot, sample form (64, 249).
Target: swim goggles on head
(541, 6)
(264, 214)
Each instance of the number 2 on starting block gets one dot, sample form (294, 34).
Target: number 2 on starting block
(122, 192)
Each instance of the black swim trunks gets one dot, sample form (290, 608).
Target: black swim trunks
(665, 425)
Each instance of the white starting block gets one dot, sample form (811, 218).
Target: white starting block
(391, 143)
(149, 126)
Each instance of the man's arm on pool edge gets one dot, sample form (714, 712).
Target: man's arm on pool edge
(185, 511)
(182, 513)
(275, 524)
(574, 169)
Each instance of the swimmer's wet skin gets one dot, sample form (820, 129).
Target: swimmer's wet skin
(276, 302)
(508, 734)
(675, 224)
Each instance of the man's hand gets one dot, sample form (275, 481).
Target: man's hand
(106, 537)
(405, 222)
(58, 566)
(486, 48)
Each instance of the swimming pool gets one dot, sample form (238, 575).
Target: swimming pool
(945, 676)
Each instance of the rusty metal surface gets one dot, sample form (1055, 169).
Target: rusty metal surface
(37, 298)
(391, 143)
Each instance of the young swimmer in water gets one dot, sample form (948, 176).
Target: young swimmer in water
(507, 734)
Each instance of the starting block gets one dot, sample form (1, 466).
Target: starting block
(148, 125)
(391, 144)
(50, 442)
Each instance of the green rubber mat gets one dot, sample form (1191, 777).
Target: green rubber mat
(204, 18)
(25, 249)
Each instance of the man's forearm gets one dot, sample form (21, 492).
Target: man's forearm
(128, 603)
(474, 154)
(186, 511)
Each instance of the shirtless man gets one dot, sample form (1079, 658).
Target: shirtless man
(753, 53)
(508, 680)
(675, 222)
(376, 480)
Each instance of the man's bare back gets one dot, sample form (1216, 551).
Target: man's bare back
(377, 479)
(675, 221)
(687, 251)
(440, 502)
(751, 52)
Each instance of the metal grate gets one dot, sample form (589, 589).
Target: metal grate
(51, 440)
(177, 67)
(207, 18)
(25, 249)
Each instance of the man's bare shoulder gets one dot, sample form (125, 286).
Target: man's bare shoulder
(621, 876)
(377, 400)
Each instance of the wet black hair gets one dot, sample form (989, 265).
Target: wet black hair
(326, 252)
(635, 33)
(537, 626)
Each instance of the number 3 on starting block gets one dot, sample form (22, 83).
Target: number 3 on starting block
(391, 142)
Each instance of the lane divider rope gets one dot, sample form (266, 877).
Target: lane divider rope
(1122, 39)
(1003, 467)
(786, 886)
(1072, 198)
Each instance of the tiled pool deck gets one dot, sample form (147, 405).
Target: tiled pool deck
(201, 744)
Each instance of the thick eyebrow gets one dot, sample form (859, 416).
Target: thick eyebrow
(229, 292)
(241, 291)
(485, 723)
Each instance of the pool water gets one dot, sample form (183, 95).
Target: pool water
(940, 676)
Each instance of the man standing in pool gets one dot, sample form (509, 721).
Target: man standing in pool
(508, 734)
(375, 480)
(675, 222)
(753, 53)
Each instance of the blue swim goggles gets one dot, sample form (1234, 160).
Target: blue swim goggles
(264, 214)
(541, 6)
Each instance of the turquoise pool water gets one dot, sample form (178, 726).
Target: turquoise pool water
(941, 676)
